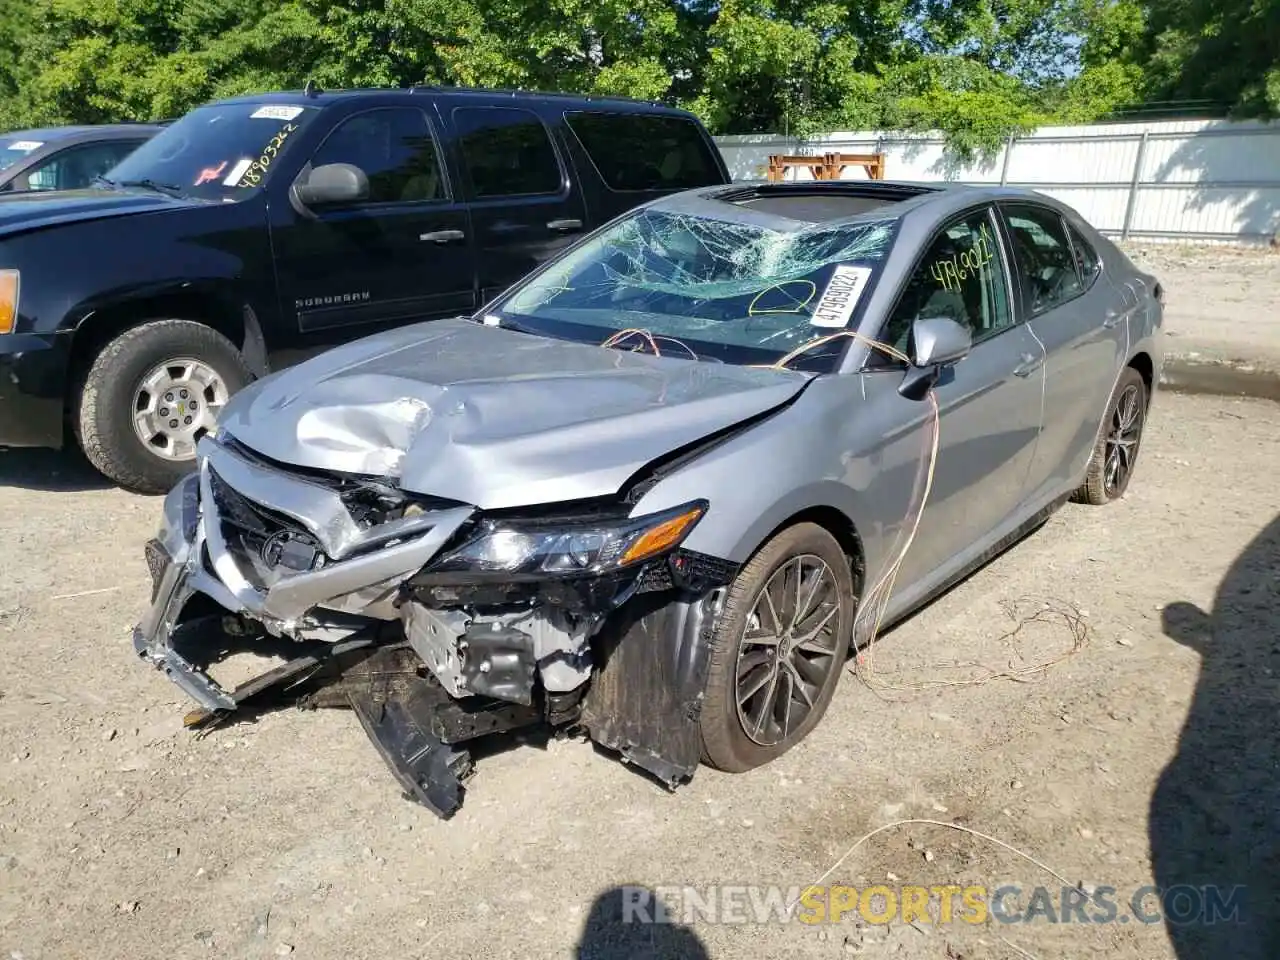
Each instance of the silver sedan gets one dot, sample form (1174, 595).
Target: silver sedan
(659, 489)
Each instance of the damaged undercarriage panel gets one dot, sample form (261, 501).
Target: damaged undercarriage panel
(389, 605)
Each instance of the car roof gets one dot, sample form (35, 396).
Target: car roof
(83, 131)
(323, 98)
(831, 201)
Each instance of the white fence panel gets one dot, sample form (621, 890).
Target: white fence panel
(1183, 179)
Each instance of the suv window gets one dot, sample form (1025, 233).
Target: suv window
(962, 277)
(394, 147)
(638, 152)
(76, 167)
(507, 152)
(1087, 261)
(1043, 255)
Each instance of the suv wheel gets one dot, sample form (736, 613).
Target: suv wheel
(150, 396)
(778, 650)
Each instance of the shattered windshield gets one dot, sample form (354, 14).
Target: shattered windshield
(218, 152)
(746, 290)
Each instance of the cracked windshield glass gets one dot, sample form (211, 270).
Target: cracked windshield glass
(220, 152)
(710, 289)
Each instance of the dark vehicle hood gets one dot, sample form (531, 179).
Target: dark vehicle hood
(493, 417)
(20, 212)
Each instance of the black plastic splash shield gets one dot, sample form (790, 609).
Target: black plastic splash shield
(646, 696)
(430, 771)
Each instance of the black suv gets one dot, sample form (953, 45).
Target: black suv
(287, 222)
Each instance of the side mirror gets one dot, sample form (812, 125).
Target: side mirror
(936, 342)
(939, 340)
(332, 183)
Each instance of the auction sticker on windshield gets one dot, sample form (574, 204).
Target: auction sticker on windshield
(276, 111)
(25, 146)
(841, 296)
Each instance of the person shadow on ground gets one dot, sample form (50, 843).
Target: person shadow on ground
(1215, 812)
(614, 930)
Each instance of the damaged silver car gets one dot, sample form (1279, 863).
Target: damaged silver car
(656, 491)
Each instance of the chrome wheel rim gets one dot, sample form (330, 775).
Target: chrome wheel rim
(176, 404)
(788, 649)
(1123, 432)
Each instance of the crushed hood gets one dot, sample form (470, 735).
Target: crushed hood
(21, 212)
(493, 417)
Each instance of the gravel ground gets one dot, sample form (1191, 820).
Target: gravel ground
(1131, 756)
(1223, 303)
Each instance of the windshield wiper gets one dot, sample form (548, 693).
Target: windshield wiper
(148, 184)
(106, 181)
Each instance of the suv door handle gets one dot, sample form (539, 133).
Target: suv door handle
(443, 236)
(564, 226)
(1114, 319)
(1029, 365)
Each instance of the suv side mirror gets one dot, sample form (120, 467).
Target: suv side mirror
(332, 183)
(936, 342)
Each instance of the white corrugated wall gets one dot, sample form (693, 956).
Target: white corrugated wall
(1192, 179)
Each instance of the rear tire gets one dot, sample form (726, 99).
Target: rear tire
(149, 397)
(1115, 452)
(793, 678)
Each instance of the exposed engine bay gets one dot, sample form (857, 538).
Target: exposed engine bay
(435, 621)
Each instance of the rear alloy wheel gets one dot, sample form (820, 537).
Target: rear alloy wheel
(778, 650)
(150, 396)
(1115, 454)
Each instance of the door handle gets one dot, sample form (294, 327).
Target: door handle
(1114, 320)
(1029, 365)
(564, 226)
(443, 236)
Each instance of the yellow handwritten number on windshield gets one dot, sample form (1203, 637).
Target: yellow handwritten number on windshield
(258, 169)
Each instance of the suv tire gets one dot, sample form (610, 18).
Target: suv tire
(150, 395)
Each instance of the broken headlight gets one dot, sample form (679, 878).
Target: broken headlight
(514, 549)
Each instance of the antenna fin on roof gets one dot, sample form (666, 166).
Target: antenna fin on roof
(311, 89)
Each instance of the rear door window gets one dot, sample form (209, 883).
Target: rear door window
(1087, 261)
(645, 152)
(507, 152)
(1043, 256)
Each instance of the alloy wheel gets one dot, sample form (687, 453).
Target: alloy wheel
(788, 649)
(1123, 434)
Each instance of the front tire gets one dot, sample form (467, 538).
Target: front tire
(778, 650)
(1115, 452)
(150, 396)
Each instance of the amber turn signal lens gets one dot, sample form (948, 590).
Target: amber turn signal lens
(661, 537)
(8, 300)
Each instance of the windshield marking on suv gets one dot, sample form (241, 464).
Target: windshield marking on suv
(257, 169)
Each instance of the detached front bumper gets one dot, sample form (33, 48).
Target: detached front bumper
(190, 556)
(640, 695)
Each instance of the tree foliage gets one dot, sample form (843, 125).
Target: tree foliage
(976, 69)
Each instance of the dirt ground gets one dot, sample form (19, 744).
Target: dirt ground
(1145, 750)
(1222, 301)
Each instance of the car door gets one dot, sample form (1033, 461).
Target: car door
(1080, 317)
(989, 402)
(75, 167)
(525, 208)
(403, 254)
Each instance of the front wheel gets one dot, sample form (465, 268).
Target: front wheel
(778, 650)
(150, 396)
